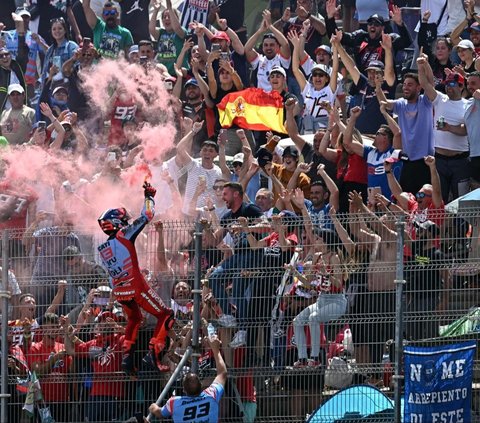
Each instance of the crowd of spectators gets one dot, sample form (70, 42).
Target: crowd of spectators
(382, 119)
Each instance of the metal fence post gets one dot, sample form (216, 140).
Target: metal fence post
(4, 295)
(197, 293)
(399, 284)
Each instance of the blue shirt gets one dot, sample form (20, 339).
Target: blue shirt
(320, 217)
(376, 170)
(200, 409)
(416, 122)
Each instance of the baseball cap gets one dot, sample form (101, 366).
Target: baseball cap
(133, 49)
(467, 44)
(70, 252)
(191, 81)
(375, 65)
(376, 18)
(23, 12)
(270, 36)
(278, 69)
(221, 35)
(291, 151)
(324, 48)
(322, 68)
(60, 88)
(475, 27)
(238, 158)
(263, 156)
(15, 88)
(455, 77)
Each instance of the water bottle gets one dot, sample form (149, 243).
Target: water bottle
(387, 365)
(211, 331)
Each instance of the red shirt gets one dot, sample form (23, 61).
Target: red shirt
(105, 353)
(356, 169)
(18, 198)
(55, 387)
(121, 109)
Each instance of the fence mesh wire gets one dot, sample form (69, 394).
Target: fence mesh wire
(302, 311)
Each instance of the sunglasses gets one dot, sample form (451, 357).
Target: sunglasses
(54, 20)
(218, 187)
(87, 55)
(452, 84)
(319, 74)
(4, 55)
(237, 164)
(421, 195)
(109, 12)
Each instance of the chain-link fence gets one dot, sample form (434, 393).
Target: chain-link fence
(303, 307)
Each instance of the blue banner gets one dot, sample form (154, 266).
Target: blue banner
(438, 383)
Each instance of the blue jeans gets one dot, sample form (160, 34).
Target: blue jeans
(230, 270)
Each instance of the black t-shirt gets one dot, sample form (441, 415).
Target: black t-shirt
(233, 11)
(82, 23)
(8, 6)
(309, 156)
(135, 18)
(312, 40)
(364, 96)
(196, 112)
(424, 271)
(250, 211)
(77, 101)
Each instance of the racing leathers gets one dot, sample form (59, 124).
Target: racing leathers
(130, 288)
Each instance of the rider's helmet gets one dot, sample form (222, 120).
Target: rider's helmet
(113, 220)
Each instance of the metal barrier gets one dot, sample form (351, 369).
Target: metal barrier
(315, 310)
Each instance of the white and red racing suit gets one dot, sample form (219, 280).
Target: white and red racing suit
(130, 288)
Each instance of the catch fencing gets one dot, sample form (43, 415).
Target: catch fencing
(313, 306)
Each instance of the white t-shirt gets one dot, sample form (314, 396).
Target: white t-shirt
(453, 112)
(264, 66)
(309, 63)
(312, 99)
(194, 171)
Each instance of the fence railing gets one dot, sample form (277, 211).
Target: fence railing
(302, 310)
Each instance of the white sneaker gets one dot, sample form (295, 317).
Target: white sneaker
(239, 339)
(227, 321)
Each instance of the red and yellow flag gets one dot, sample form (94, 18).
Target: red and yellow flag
(253, 109)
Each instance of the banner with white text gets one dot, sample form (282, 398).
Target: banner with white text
(438, 383)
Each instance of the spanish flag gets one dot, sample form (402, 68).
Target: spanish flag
(254, 109)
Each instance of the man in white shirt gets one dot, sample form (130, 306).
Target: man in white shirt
(275, 48)
(197, 169)
(450, 133)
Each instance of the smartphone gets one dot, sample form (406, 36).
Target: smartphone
(86, 43)
(215, 47)
(57, 61)
(168, 85)
(371, 194)
(42, 125)
(97, 300)
(3, 36)
(224, 56)
(111, 157)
